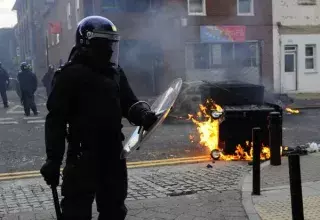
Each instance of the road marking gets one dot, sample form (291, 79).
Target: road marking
(36, 121)
(8, 123)
(6, 119)
(33, 118)
(131, 165)
(13, 110)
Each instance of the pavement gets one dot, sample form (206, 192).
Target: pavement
(305, 100)
(180, 192)
(274, 203)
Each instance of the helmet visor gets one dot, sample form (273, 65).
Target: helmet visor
(107, 45)
(114, 60)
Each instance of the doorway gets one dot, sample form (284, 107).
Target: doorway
(290, 68)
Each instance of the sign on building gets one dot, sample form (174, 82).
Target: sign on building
(210, 34)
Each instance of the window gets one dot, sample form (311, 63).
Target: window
(245, 7)
(155, 5)
(196, 7)
(310, 57)
(217, 55)
(289, 62)
(57, 38)
(307, 2)
(69, 16)
(107, 4)
(77, 8)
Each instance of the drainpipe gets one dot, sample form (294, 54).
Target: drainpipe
(280, 56)
(31, 33)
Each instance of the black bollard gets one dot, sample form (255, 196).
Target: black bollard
(295, 187)
(275, 138)
(256, 139)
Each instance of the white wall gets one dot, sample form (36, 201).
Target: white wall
(289, 12)
(276, 61)
(307, 81)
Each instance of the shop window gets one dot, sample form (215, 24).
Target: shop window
(222, 55)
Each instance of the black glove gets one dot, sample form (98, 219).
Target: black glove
(51, 172)
(148, 119)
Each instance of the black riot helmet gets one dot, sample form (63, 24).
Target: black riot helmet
(24, 66)
(99, 37)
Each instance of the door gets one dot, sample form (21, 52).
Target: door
(290, 69)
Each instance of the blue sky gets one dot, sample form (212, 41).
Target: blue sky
(7, 17)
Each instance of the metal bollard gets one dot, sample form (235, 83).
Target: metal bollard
(275, 138)
(295, 187)
(256, 139)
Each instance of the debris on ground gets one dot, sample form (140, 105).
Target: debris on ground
(313, 147)
(209, 166)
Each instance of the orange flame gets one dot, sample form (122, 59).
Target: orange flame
(292, 111)
(208, 130)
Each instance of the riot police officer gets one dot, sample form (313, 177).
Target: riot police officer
(28, 85)
(4, 83)
(47, 79)
(91, 94)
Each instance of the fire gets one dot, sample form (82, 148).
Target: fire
(292, 111)
(208, 129)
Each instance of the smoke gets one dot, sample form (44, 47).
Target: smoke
(146, 39)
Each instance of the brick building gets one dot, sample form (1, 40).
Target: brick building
(164, 39)
(8, 47)
(29, 33)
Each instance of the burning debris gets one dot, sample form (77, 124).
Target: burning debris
(292, 111)
(207, 120)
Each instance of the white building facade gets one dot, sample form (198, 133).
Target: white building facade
(296, 46)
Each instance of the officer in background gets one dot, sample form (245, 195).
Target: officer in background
(91, 94)
(28, 86)
(47, 79)
(4, 83)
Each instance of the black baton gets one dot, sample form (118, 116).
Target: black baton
(56, 202)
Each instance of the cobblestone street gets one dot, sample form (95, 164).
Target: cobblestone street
(205, 192)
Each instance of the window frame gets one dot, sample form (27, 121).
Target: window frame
(204, 9)
(104, 7)
(57, 38)
(314, 57)
(251, 13)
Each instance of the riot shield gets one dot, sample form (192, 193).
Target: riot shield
(161, 107)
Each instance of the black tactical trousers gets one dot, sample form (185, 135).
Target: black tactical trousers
(3, 94)
(28, 103)
(86, 179)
